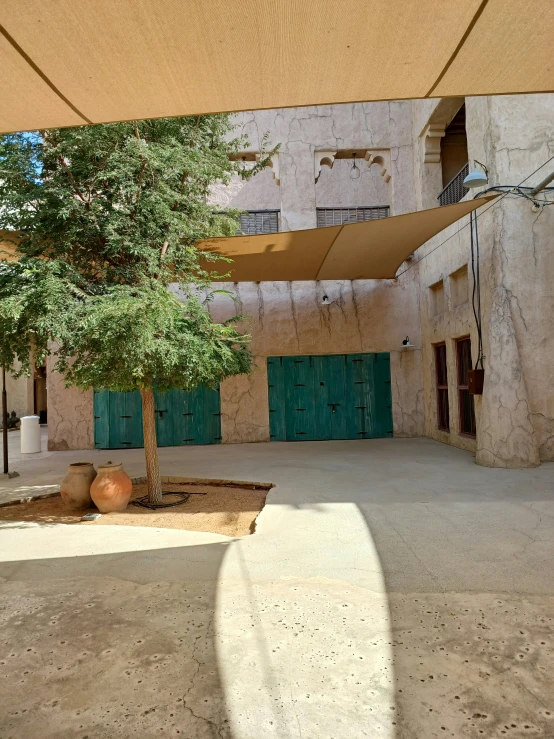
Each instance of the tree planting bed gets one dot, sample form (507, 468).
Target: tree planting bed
(220, 507)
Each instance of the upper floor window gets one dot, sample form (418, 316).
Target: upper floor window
(454, 159)
(259, 222)
(340, 216)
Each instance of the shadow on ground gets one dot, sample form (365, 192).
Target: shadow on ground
(122, 646)
(391, 591)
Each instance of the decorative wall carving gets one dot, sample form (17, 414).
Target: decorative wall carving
(382, 158)
(321, 158)
(432, 136)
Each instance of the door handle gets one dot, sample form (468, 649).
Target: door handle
(333, 407)
(160, 412)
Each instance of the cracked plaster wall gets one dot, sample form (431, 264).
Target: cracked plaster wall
(70, 414)
(352, 127)
(288, 318)
(512, 135)
(20, 394)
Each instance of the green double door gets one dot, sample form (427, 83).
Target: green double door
(339, 396)
(181, 418)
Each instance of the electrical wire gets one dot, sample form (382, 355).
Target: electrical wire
(476, 272)
(477, 215)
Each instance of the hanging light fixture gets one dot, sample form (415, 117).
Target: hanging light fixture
(354, 170)
(477, 178)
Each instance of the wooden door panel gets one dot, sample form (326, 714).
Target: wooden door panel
(299, 399)
(346, 396)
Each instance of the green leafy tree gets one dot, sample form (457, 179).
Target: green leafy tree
(105, 218)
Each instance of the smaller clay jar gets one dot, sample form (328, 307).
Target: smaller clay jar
(111, 489)
(75, 486)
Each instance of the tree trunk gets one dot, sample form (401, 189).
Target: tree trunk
(151, 447)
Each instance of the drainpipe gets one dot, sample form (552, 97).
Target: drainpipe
(547, 180)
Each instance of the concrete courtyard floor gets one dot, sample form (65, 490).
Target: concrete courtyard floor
(392, 589)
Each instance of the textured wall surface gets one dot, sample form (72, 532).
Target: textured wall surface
(70, 415)
(20, 395)
(512, 136)
(290, 319)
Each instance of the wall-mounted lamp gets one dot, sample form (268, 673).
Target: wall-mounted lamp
(354, 170)
(477, 178)
(406, 344)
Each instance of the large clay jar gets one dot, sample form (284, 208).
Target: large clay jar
(75, 487)
(112, 488)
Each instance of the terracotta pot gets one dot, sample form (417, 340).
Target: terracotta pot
(112, 488)
(75, 487)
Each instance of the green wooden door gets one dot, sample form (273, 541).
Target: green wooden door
(181, 418)
(331, 398)
(299, 398)
(343, 396)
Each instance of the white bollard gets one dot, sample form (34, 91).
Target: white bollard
(30, 435)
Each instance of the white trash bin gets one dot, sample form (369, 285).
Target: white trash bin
(30, 435)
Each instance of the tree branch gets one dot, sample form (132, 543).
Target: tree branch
(79, 194)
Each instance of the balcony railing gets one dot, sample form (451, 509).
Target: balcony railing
(455, 189)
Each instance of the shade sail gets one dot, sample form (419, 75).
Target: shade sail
(356, 251)
(67, 62)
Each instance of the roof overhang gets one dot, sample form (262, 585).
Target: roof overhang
(357, 251)
(69, 62)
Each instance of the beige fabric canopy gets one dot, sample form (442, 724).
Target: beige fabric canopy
(356, 251)
(69, 62)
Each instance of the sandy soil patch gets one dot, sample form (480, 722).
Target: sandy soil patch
(219, 509)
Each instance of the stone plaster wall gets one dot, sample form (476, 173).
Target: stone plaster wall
(379, 127)
(290, 319)
(70, 414)
(512, 135)
(20, 395)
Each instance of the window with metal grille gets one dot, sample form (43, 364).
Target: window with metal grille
(340, 216)
(465, 400)
(259, 222)
(441, 373)
(455, 189)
